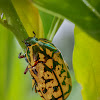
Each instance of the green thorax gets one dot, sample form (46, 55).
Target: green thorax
(44, 43)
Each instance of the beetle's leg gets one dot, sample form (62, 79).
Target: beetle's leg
(35, 89)
(21, 56)
(40, 93)
(33, 83)
(26, 70)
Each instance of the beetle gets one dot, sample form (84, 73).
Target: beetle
(48, 70)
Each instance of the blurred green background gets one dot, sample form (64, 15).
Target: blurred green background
(14, 85)
(19, 18)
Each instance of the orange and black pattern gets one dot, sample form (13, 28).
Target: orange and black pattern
(50, 74)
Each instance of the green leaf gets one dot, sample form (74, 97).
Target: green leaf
(21, 18)
(54, 27)
(4, 62)
(29, 16)
(14, 85)
(85, 14)
(51, 25)
(12, 21)
(47, 21)
(86, 63)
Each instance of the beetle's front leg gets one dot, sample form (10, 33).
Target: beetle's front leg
(21, 56)
(26, 70)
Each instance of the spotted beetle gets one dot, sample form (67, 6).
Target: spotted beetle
(49, 72)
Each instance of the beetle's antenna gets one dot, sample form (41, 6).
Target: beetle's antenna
(34, 33)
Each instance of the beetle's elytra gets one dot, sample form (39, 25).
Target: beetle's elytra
(49, 72)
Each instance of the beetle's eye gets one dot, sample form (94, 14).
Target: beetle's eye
(26, 59)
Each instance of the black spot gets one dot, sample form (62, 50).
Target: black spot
(47, 57)
(43, 77)
(55, 63)
(70, 87)
(68, 75)
(49, 87)
(55, 88)
(48, 75)
(45, 69)
(45, 90)
(62, 71)
(63, 83)
(60, 75)
(48, 80)
(35, 72)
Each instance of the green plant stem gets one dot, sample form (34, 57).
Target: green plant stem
(13, 22)
(54, 28)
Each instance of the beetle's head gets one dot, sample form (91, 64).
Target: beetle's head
(30, 41)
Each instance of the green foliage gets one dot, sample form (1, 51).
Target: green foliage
(14, 85)
(84, 13)
(29, 16)
(47, 21)
(86, 64)
(20, 18)
(12, 21)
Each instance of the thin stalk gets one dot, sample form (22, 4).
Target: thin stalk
(13, 22)
(54, 28)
